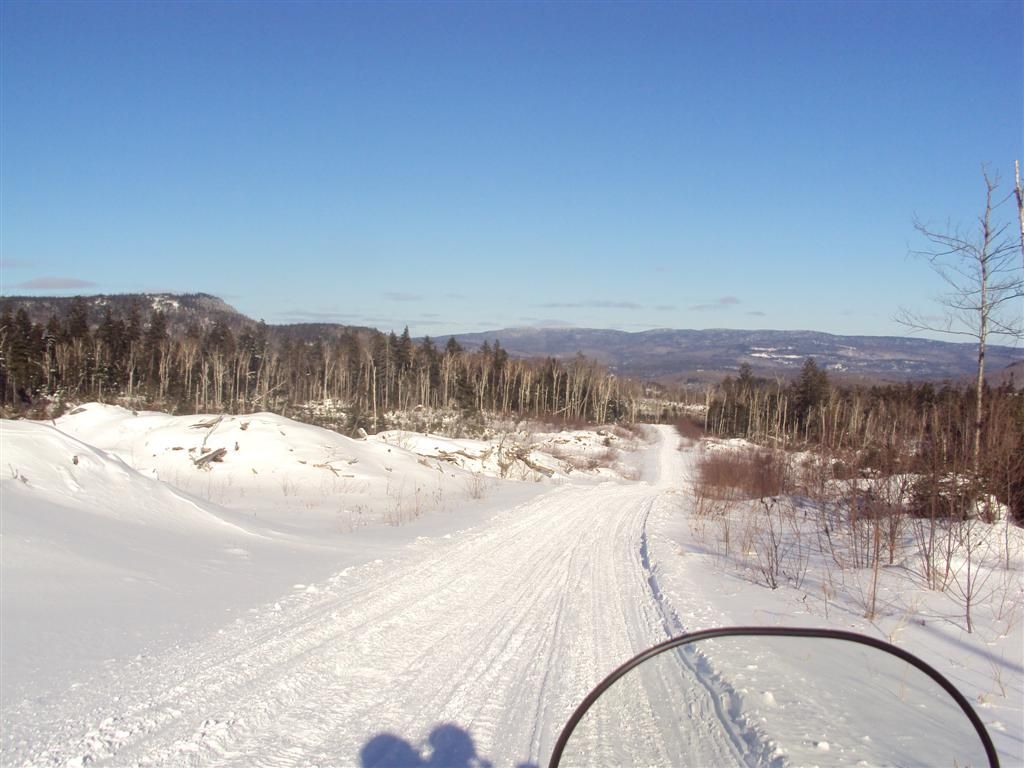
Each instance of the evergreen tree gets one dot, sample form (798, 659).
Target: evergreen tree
(429, 360)
(52, 337)
(220, 340)
(812, 388)
(6, 332)
(500, 357)
(745, 380)
(453, 347)
(112, 335)
(25, 356)
(133, 325)
(152, 347)
(77, 320)
(404, 351)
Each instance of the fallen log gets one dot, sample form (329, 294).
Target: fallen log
(216, 455)
(212, 422)
(523, 455)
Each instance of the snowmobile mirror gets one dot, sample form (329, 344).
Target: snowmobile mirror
(770, 696)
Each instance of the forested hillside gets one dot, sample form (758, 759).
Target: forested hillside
(133, 353)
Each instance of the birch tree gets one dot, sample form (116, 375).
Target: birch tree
(984, 288)
(1018, 192)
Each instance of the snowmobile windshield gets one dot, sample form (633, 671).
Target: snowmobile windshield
(774, 697)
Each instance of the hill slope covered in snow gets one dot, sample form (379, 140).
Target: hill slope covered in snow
(154, 613)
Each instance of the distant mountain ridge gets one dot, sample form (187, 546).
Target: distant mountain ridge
(671, 355)
(664, 354)
(178, 308)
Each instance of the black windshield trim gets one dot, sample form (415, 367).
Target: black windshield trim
(835, 634)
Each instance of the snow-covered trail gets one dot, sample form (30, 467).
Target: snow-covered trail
(499, 631)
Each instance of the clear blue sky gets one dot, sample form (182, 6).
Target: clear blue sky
(468, 166)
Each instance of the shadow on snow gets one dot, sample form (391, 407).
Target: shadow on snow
(449, 746)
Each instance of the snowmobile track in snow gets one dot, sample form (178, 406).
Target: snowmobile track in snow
(500, 630)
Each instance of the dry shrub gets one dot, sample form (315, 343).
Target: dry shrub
(741, 474)
(689, 429)
(586, 461)
(629, 431)
(569, 423)
(946, 497)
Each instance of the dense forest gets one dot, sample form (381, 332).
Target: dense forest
(885, 430)
(138, 358)
(132, 357)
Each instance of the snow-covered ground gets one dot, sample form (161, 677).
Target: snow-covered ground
(406, 599)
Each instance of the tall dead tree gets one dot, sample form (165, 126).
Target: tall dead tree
(1019, 194)
(986, 287)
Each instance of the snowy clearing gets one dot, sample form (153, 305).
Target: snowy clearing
(159, 613)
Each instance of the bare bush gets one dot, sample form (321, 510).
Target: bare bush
(689, 429)
(948, 496)
(872, 531)
(477, 485)
(628, 431)
(779, 545)
(934, 544)
(742, 474)
(977, 555)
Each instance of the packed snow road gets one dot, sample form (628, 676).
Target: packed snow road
(483, 642)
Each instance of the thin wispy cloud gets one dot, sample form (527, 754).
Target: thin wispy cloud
(757, 313)
(590, 305)
(54, 284)
(14, 263)
(722, 303)
(666, 307)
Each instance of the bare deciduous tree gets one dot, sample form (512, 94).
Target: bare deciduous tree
(1019, 193)
(985, 287)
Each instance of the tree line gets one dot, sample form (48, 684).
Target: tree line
(131, 357)
(915, 428)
